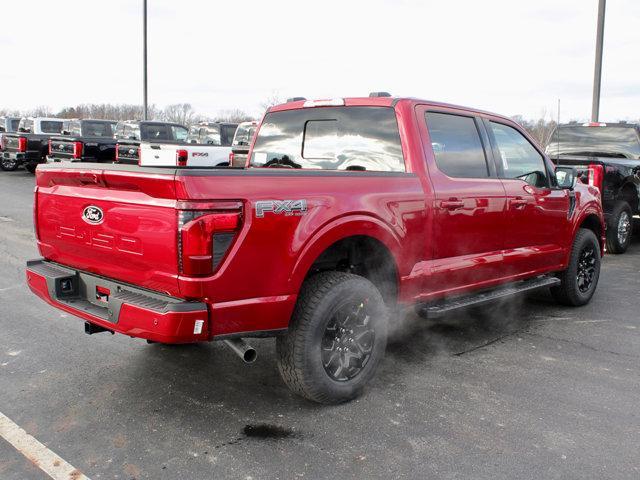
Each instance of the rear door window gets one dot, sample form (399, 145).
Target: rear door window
(50, 126)
(456, 145)
(155, 132)
(519, 159)
(330, 138)
(97, 129)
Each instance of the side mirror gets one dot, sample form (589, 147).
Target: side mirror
(566, 177)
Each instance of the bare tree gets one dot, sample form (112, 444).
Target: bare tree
(181, 113)
(271, 100)
(233, 116)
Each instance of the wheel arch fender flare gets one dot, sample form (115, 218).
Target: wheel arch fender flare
(339, 229)
(590, 211)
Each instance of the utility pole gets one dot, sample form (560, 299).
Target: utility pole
(597, 74)
(144, 57)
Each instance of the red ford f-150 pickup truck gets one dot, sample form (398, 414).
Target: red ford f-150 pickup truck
(346, 210)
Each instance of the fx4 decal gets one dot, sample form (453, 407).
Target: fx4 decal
(286, 207)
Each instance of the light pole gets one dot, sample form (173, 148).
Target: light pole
(597, 74)
(144, 58)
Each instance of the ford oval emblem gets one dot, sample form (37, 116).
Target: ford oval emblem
(93, 215)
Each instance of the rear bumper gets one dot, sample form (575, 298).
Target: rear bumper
(125, 309)
(23, 157)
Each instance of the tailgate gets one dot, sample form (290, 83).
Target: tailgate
(120, 224)
(158, 155)
(61, 147)
(10, 142)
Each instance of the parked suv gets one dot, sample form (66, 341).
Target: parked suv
(607, 155)
(129, 134)
(30, 144)
(351, 208)
(84, 141)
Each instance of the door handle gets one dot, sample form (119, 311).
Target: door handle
(452, 204)
(517, 203)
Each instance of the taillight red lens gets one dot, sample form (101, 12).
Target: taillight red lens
(596, 176)
(117, 153)
(231, 157)
(181, 158)
(22, 144)
(197, 234)
(77, 149)
(50, 148)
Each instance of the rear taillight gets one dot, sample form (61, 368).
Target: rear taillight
(231, 157)
(181, 158)
(50, 147)
(205, 235)
(117, 153)
(77, 149)
(596, 175)
(22, 144)
(137, 154)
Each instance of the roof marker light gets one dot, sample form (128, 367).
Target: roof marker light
(330, 102)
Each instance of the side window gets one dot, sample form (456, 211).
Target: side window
(456, 145)
(179, 133)
(520, 160)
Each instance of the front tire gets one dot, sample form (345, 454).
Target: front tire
(336, 339)
(579, 281)
(620, 228)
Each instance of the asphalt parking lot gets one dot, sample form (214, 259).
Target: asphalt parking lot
(531, 390)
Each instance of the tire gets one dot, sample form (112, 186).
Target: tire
(620, 228)
(584, 261)
(31, 167)
(308, 359)
(8, 165)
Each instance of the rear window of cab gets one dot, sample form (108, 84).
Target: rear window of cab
(330, 138)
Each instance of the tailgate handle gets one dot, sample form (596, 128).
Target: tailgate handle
(155, 147)
(88, 179)
(452, 204)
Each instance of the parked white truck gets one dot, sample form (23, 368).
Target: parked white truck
(208, 145)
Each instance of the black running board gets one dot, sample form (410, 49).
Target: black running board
(442, 307)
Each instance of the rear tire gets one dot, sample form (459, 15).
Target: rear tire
(619, 228)
(580, 279)
(336, 339)
(8, 165)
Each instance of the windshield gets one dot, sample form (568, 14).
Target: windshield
(582, 140)
(14, 124)
(97, 129)
(330, 138)
(49, 126)
(244, 134)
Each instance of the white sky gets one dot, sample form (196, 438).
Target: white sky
(508, 56)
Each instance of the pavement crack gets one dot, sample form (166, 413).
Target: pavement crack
(581, 344)
(486, 344)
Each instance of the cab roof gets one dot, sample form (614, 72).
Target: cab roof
(375, 102)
